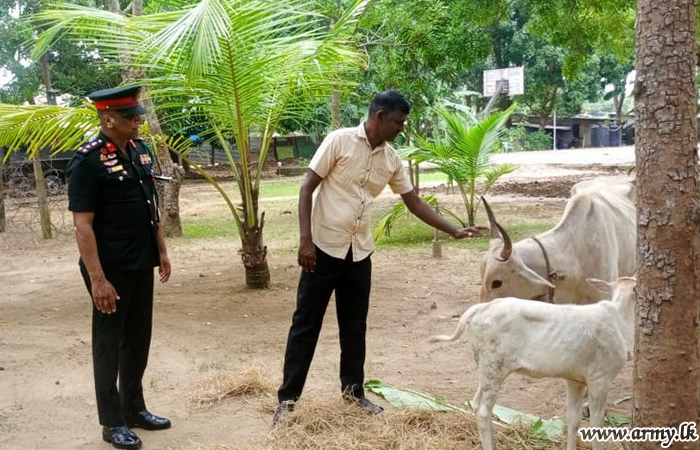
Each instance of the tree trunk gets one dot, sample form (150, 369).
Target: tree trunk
(42, 199)
(254, 256)
(666, 343)
(44, 213)
(619, 102)
(168, 191)
(335, 109)
(2, 192)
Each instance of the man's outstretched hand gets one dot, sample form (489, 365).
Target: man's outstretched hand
(468, 232)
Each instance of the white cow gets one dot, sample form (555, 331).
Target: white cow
(595, 238)
(586, 345)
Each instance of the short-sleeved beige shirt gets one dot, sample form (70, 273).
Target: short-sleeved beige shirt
(353, 175)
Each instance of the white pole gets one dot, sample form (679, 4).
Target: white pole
(554, 137)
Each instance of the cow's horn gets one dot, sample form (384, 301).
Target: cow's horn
(492, 220)
(507, 244)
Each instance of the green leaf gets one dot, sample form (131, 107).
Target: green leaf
(548, 428)
(409, 398)
(619, 420)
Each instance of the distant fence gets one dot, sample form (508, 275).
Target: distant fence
(284, 147)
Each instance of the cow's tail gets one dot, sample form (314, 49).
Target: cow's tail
(461, 326)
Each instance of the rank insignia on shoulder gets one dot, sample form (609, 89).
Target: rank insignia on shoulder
(90, 146)
(115, 169)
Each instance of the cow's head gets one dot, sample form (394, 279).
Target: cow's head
(503, 272)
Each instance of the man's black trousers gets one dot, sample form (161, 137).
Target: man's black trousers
(120, 345)
(351, 282)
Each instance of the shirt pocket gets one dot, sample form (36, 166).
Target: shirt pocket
(379, 177)
(346, 170)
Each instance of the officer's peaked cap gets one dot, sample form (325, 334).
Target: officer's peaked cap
(122, 99)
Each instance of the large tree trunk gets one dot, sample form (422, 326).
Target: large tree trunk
(168, 191)
(666, 353)
(2, 191)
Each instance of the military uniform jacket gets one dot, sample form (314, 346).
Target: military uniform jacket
(121, 192)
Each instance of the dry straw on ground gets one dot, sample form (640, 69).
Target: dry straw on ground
(253, 384)
(331, 424)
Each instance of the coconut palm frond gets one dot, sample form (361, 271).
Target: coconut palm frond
(114, 34)
(44, 126)
(464, 153)
(396, 212)
(492, 175)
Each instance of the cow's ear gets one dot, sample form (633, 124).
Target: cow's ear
(531, 275)
(600, 285)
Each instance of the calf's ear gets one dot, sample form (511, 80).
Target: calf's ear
(600, 285)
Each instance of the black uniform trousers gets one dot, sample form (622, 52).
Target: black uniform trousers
(120, 345)
(351, 282)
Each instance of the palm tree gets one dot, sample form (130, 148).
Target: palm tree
(463, 152)
(241, 64)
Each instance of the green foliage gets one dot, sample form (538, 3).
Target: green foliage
(463, 153)
(538, 140)
(519, 139)
(421, 48)
(75, 68)
(238, 66)
(395, 213)
(578, 30)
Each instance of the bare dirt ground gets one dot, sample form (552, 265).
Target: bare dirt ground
(206, 321)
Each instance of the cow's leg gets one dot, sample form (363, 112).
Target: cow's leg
(574, 398)
(597, 394)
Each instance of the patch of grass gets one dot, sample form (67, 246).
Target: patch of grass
(208, 228)
(412, 231)
(431, 177)
(288, 187)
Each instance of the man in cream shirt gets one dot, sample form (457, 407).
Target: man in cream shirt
(350, 168)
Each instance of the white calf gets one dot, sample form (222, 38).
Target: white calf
(586, 345)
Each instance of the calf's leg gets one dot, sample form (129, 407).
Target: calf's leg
(597, 394)
(574, 399)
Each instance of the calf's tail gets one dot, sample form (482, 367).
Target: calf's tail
(461, 326)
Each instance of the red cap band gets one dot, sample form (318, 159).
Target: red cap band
(117, 103)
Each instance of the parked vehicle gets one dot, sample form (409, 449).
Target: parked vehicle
(18, 172)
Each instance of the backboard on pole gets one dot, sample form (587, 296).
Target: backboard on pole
(512, 81)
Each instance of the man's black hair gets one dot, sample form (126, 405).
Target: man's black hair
(389, 101)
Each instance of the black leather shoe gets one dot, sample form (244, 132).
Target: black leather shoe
(147, 421)
(121, 437)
